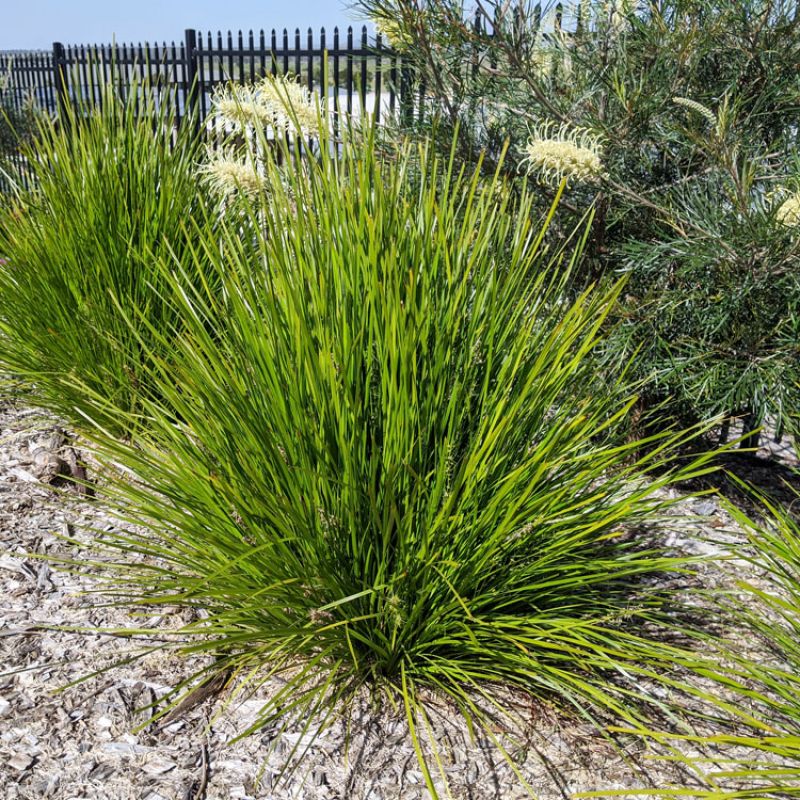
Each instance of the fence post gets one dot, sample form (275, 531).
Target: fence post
(60, 79)
(190, 88)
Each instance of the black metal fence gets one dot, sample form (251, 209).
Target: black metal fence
(359, 68)
(354, 70)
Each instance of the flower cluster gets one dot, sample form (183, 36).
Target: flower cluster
(239, 107)
(789, 211)
(7, 75)
(275, 102)
(542, 63)
(618, 13)
(227, 172)
(564, 152)
(291, 104)
(393, 33)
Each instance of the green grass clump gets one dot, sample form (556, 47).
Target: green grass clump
(755, 753)
(386, 467)
(771, 683)
(113, 186)
(774, 613)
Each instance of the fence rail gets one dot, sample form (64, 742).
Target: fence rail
(360, 72)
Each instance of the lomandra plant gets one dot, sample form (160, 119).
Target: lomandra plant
(772, 610)
(113, 184)
(762, 687)
(386, 470)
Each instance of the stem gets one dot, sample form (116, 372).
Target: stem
(752, 436)
(725, 430)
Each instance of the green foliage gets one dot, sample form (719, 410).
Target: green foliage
(716, 317)
(386, 467)
(762, 691)
(17, 122)
(696, 107)
(113, 186)
(15, 127)
(773, 611)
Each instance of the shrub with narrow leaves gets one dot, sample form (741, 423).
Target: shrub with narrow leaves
(697, 106)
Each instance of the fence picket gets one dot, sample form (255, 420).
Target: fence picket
(349, 69)
(310, 61)
(364, 76)
(240, 76)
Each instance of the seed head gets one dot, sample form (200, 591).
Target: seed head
(320, 617)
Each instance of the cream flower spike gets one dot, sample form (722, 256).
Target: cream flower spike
(7, 75)
(788, 213)
(564, 152)
(393, 33)
(226, 172)
(238, 106)
(279, 94)
(276, 102)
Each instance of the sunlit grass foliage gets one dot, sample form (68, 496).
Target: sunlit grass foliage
(752, 680)
(772, 610)
(385, 468)
(114, 185)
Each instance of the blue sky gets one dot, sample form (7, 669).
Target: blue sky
(26, 24)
